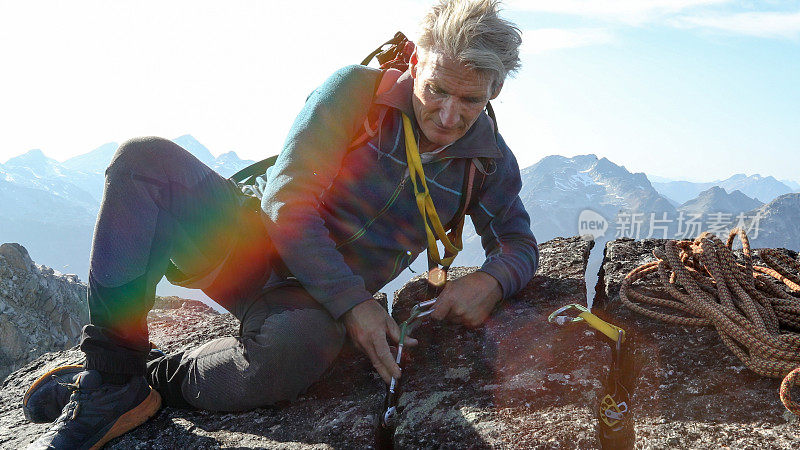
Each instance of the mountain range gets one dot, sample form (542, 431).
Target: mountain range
(50, 207)
(792, 184)
(763, 189)
(558, 192)
(717, 199)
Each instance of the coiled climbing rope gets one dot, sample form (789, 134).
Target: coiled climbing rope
(786, 386)
(755, 309)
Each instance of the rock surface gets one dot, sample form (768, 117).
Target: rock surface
(40, 310)
(691, 391)
(518, 381)
(334, 413)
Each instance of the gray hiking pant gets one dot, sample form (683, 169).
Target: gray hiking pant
(165, 210)
(283, 348)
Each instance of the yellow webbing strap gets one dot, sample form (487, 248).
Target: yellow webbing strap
(613, 332)
(425, 203)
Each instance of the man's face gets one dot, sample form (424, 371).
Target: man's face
(448, 98)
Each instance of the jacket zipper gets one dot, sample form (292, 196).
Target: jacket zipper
(403, 263)
(382, 211)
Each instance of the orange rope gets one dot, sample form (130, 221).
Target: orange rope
(755, 310)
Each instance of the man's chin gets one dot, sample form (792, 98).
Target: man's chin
(441, 139)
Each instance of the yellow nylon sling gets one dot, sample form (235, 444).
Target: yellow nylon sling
(425, 204)
(611, 331)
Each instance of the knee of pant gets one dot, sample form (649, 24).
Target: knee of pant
(302, 335)
(291, 352)
(140, 153)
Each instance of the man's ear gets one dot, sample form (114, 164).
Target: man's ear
(496, 91)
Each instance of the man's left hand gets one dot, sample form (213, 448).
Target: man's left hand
(468, 300)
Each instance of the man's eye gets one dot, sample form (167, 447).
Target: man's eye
(435, 90)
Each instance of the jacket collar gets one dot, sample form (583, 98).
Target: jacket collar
(479, 140)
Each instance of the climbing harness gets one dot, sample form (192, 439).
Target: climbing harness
(756, 317)
(615, 427)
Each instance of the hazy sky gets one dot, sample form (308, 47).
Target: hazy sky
(692, 89)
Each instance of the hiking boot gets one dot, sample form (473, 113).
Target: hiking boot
(48, 395)
(98, 412)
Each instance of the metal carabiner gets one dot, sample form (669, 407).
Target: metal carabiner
(418, 312)
(561, 320)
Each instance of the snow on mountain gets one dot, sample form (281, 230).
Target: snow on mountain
(51, 207)
(35, 162)
(35, 170)
(229, 163)
(755, 186)
(557, 189)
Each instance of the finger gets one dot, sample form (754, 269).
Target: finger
(442, 307)
(378, 365)
(472, 321)
(457, 313)
(394, 330)
(410, 341)
(385, 357)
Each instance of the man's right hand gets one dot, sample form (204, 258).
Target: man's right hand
(368, 324)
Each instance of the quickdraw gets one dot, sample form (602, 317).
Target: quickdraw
(387, 418)
(615, 428)
(418, 313)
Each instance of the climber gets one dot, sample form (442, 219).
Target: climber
(299, 267)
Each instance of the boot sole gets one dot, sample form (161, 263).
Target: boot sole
(41, 380)
(132, 419)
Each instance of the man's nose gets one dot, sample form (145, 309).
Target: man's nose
(448, 114)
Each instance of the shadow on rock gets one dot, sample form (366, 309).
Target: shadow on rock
(517, 381)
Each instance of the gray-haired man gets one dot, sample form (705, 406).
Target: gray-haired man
(334, 225)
